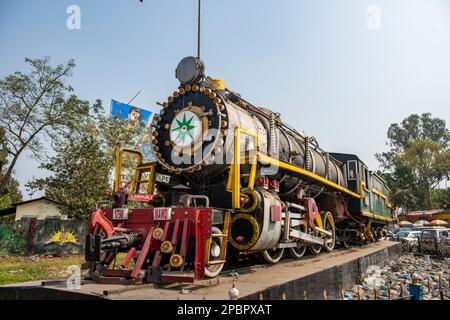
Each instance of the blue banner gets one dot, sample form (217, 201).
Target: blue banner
(132, 113)
(141, 118)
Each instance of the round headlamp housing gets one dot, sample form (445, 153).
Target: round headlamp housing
(190, 70)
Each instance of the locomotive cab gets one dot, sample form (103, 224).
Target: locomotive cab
(374, 204)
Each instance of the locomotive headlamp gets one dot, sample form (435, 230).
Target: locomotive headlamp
(190, 69)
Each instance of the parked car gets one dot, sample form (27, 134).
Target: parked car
(389, 235)
(399, 235)
(411, 238)
(441, 235)
(425, 228)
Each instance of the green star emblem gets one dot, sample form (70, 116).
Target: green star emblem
(184, 128)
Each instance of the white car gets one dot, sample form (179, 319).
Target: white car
(412, 237)
(441, 235)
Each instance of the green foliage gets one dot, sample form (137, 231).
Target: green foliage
(39, 105)
(417, 160)
(11, 193)
(80, 169)
(440, 197)
(34, 107)
(122, 133)
(84, 160)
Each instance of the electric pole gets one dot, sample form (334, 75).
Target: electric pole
(199, 26)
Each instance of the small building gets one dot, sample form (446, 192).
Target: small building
(39, 208)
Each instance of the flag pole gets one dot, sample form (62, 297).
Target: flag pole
(199, 27)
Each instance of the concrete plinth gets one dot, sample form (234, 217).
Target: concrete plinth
(289, 279)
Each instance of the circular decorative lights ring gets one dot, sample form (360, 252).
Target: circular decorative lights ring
(186, 129)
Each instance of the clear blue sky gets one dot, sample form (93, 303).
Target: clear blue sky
(315, 61)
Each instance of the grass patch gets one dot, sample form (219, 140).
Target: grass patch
(20, 269)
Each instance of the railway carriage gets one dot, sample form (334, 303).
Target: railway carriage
(231, 180)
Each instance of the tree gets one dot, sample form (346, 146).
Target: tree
(441, 197)
(80, 169)
(122, 133)
(35, 107)
(430, 163)
(12, 193)
(403, 185)
(415, 144)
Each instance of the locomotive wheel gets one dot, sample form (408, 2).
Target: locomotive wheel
(369, 233)
(315, 249)
(300, 250)
(272, 256)
(297, 252)
(345, 244)
(328, 224)
(344, 235)
(214, 254)
(377, 234)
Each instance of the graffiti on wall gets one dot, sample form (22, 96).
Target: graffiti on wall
(52, 237)
(62, 242)
(11, 242)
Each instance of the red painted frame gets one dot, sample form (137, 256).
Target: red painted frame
(186, 225)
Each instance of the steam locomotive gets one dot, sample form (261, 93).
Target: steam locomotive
(231, 180)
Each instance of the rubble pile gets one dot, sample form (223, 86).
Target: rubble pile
(392, 280)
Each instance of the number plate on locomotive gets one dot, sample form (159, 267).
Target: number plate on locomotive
(162, 178)
(120, 214)
(162, 213)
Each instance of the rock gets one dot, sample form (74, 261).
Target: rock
(348, 295)
(185, 291)
(355, 288)
(398, 273)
